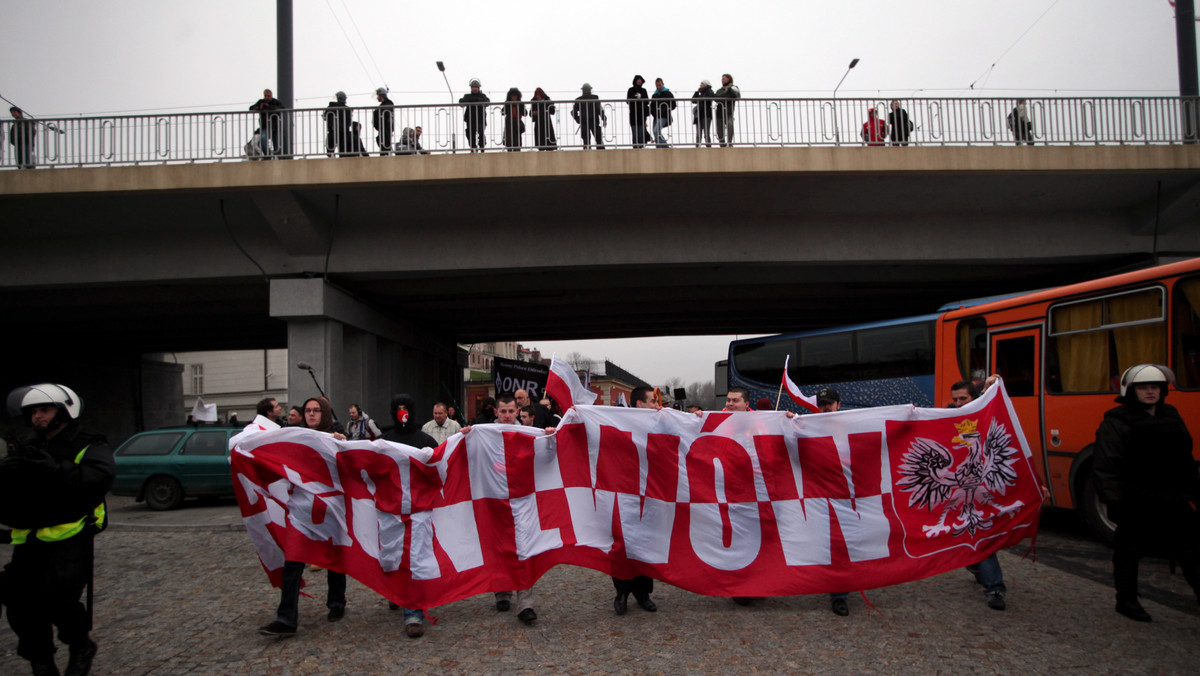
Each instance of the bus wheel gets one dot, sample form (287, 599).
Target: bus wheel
(1094, 512)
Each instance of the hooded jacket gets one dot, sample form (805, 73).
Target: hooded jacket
(664, 103)
(406, 430)
(639, 106)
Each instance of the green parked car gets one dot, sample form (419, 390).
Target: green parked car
(164, 466)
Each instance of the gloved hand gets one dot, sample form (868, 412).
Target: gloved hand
(39, 461)
(1116, 511)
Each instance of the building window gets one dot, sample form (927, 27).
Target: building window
(197, 378)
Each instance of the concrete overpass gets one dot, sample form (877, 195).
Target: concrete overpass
(392, 260)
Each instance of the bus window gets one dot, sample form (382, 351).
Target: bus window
(1093, 341)
(1187, 334)
(826, 358)
(895, 351)
(762, 361)
(972, 348)
(1016, 363)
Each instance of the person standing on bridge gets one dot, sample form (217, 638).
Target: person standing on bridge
(337, 126)
(21, 136)
(514, 126)
(639, 110)
(726, 97)
(874, 130)
(590, 115)
(1019, 123)
(1147, 478)
(475, 116)
(702, 112)
(382, 118)
(270, 122)
(899, 126)
(541, 112)
(663, 105)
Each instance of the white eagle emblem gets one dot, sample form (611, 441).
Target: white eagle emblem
(988, 470)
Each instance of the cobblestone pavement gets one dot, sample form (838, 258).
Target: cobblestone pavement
(176, 596)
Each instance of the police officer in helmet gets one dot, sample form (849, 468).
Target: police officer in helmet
(1147, 478)
(52, 488)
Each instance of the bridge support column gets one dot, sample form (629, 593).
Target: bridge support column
(358, 354)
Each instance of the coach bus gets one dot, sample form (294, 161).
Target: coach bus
(1060, 351)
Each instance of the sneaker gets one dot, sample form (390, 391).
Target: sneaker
(80, 663)
(336, 614)
(414, 630)
(840, 607)
(995, 601)
(503, 605)
(527, 616)
(1133, 610)
(277, 628)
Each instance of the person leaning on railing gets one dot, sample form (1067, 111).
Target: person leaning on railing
(270, 122)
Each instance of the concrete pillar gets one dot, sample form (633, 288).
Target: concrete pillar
(357, 353)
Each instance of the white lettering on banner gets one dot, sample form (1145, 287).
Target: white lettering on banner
(511, 384)
(531, 538)
(864, 527)
(302, 504)
(707, 532)
(591, 517)
(804, 531)
(421, 560)
(642, 526)
(458, 535)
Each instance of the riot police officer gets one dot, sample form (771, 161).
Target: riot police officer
(1147, 478)
(52, 488)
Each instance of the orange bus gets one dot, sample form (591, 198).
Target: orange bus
(1061, 352)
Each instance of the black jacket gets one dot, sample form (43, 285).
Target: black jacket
(265, 109)
(639, 105)
(899, 125)
(381, 118)
(476, 109)
(664, 103)
(702, 111)
(337, 118)
(415, 438)
(1145, 458)
(588, 111)
(41, 484)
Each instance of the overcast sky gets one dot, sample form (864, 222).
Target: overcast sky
(77, 57)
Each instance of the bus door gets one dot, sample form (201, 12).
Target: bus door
(1016, 357)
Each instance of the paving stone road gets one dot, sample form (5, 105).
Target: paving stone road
(183, 593)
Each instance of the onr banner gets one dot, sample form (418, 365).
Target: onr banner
(728, 504)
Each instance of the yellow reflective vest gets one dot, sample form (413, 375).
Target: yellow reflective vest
(63, 530)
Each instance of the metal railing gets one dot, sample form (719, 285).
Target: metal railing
(223, 137)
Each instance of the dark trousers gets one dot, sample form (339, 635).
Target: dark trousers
(289, 592)
(638, 586)
(44, 581)
(1173, 531)
(595, 131)
(475, 136)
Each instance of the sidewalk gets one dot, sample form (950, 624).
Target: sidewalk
(218, 515)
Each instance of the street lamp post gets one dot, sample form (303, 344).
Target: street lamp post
(837, 135)
(453, 134)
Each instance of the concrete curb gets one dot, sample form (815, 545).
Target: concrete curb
(181, 527)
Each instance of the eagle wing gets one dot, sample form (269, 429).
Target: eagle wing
(999, 459)
(923, 471)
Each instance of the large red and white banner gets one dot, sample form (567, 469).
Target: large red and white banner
(729, 504)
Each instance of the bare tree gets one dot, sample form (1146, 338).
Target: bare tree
(701, 393)
(578, 361)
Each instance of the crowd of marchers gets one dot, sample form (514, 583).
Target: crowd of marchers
(53, 482)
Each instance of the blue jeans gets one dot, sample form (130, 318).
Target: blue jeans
(413, 616)
(660, 123)
(989, 575)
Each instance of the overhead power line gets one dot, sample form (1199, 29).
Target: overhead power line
(988, 73)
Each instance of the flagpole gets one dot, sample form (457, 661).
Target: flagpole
(778, 396)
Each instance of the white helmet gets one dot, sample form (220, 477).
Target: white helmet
(1147, 373)
(64, 398)
(474, 82)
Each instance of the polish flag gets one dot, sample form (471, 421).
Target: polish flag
(794, 392)
(563, 386)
